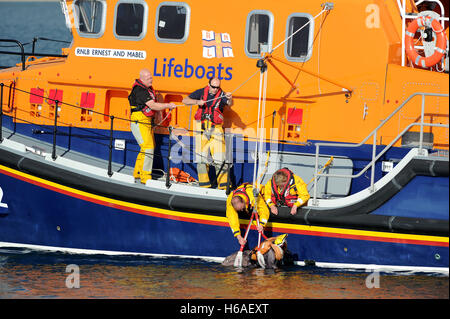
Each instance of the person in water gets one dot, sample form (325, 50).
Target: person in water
(144, 106)
(285, 189)
(243, 200)
(209, 138)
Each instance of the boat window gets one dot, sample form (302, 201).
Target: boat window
(172, 22)
(299, 47)
(130, 19)
(90, 16)
(258, 37)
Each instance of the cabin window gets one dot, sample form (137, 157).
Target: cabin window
(258, 37)
(172, 22)
(299, 47)
(90, 16)
(131, 19)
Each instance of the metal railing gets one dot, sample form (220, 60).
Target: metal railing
(23, 54)
(22, 51)
(56, 123)
(374, 144)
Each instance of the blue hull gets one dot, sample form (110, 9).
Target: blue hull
(55, 216)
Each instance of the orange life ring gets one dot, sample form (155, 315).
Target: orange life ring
(441, 42)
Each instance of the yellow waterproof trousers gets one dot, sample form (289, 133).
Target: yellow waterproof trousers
(142, 132)
(210, 142)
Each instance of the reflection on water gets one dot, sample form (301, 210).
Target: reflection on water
(31, 274)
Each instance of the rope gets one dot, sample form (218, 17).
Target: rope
(318, 55)
(241, 85)
(53, 40)
(167, 115)
(221, 95)
(259, 143)
(14, 46)
(259, 115)
(262, 129)
(298, 30)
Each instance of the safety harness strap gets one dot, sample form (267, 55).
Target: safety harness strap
(208, 112)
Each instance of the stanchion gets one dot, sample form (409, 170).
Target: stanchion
(1, 111)
(55, 125)
(168, 159)
(111, 131)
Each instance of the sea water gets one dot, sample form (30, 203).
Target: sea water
(34, 274)
(25, 20)
(26, 273)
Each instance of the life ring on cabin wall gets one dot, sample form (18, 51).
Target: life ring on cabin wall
(440, 47)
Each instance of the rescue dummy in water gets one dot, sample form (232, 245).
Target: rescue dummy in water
(272, 253)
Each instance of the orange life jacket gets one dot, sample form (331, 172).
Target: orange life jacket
(265, 247)
(177, 175)
(285, 198)
(212, 111)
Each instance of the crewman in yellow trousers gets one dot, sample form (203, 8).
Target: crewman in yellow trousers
(209, 138)
(144, 105)
(242, 200)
